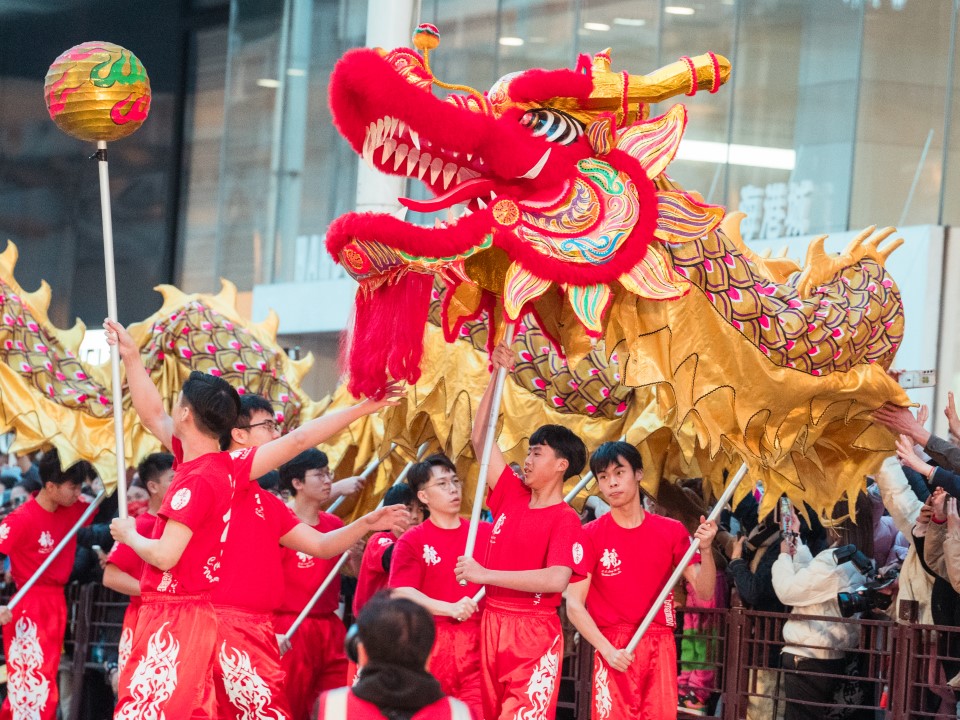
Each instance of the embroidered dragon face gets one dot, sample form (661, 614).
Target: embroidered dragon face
(551, 172)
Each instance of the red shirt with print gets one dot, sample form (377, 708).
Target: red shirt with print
(199, 497)
(425, 558)
(125, 559)
(251, 576)
(372, 577)
(29, 534)
(525, 538)
(629, 568)
(304, 574)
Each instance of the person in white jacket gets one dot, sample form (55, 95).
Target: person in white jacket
(815, 649)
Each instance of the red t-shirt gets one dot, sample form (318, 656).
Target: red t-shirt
(425, 558)
(251, 576)
(199, 497)
(629, 568)
(304, 574)
(30, 533)
(529, 539)
(372, 577)
(357, 709)
(125, 559)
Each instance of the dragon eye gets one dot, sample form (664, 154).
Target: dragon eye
(553, 125)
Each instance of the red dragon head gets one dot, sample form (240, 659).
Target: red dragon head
(553, 171)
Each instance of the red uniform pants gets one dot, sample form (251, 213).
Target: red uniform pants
(247, 676)
(316, 660)
(126, 633)
(455, 661)
(521, 650)
(170, 671)
(32, 643)
(648, 689)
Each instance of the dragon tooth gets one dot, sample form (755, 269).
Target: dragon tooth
(466, 212)
(469, 157)
(400, 154)
(435, 167)
(449, 170)
(379, 133)
(413, 157)
(421, 169)
(415, 138)
(394, 124)
(425, 159)
(389, 145)
(493, 196)
(481, 204)
(437, 223)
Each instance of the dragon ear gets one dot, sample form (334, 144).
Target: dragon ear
(602, 133)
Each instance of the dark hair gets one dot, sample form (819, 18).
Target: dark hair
(269, 481)
(50, 471)
(859, 533)
(419, 473)
(214, 402)
(153, 466)
(396, 631)
(565, 444)
(296, 469)
(399, 494)
(252, 403)
(610, 453)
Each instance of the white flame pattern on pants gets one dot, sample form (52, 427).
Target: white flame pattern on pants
(28, 688)
(247, 691)
(542, 681)
(154, 680)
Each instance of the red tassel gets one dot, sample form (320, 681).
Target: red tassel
(387, 337)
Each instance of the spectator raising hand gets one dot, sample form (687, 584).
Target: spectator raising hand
(953, 420)
(907, 453)
(953, 518)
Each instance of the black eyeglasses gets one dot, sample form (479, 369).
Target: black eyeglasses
(268, 424)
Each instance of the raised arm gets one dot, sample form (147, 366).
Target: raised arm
(275, 453)
(310, 541)
(144, 394)
(703, 575)
(502, 358)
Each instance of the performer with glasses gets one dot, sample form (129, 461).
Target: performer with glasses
(423, 571)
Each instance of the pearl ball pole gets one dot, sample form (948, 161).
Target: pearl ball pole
(99, 92)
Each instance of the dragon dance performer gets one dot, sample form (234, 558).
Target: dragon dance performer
(171, 665)
(248, 675)
(33, 631)
(533, 549)
(423, 571)
(315, 660)
(124, 567)
(628, 557)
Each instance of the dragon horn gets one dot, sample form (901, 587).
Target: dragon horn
(687, 75)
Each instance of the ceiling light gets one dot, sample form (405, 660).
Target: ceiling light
(630, 22)
(599, 27)
(678, 10)
(268, 83)
(511, 41)
(748, 155)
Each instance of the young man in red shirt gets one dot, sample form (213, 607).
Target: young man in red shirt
(171, 665)
(33, 630)
(315, 660)
(124, 567)
(629, 554)
(248, 676)
(394, 637)
(534, 546)
(422, 570)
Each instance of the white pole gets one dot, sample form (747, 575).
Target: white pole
(108, 263)
(56, 551)
(488, 441)
(343, 558)
(682, 565)
(367, 472)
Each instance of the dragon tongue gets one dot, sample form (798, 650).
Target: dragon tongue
(468, 190)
